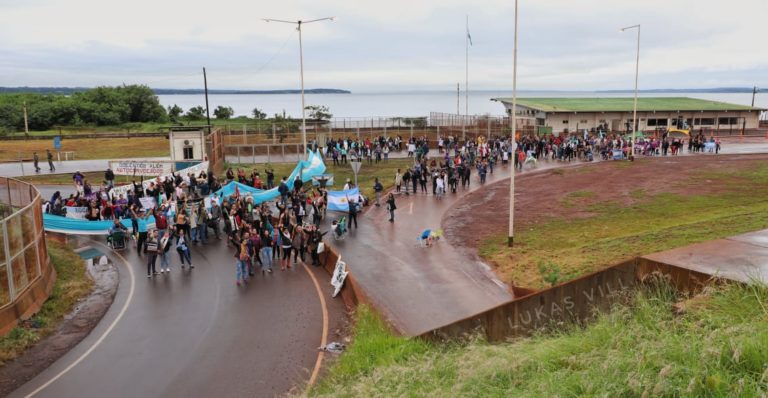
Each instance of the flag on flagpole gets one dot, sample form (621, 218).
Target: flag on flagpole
(469, 37)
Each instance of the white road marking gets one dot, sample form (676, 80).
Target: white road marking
(410, 210)
(103, 336)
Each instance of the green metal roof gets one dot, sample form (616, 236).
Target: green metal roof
(659, 104)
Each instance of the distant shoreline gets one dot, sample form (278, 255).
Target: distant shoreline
(169, 91)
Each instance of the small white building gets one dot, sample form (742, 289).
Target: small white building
(570, 115)
(187, 144)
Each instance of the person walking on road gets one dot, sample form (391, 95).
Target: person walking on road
(398, 181)
(243, 257)
(50, 160)
(266, 252)
(352, 213)
(377, 188)
(391, 207)
(162, 250)
(183, 249)
(152, 248)
(36, 159)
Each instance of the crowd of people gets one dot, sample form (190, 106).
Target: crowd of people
(281, 232)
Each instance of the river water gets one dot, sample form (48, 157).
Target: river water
(417, 103)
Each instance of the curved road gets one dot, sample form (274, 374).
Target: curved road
(194, 333)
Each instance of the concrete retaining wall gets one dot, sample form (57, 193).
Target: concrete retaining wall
(573, 302)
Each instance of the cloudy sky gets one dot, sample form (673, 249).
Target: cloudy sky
(382, 45)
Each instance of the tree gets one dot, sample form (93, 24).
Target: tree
(223, 112)
(258, 114)
(196, 113)
(174, 112)
(319, 112)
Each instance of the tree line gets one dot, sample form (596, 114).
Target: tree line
(110, 106)
(101, 106)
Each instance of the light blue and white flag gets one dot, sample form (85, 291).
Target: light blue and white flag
(339, 200)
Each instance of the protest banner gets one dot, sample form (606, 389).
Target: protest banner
(76, 212)
(123, 189)
(147, 203)
(339, 275)
(140, 167)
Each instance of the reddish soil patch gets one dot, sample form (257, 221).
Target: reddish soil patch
(541, 196)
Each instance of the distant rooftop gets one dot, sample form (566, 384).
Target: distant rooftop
(648, 104)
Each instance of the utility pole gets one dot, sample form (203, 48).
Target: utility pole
(301, 71)
(207, 108)
(26, 122)
(511, 236)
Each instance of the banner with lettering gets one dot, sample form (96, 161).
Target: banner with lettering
(140, 167)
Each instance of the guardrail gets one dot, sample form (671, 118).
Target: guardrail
(26, 274)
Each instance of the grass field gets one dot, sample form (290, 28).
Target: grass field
(87, 148)
(716, 347)
(385, 171)
(95, 178)
(137, 128)
(614, 232)
(71, 285)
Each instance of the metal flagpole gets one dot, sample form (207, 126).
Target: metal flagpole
(466, 73)
(511, 236)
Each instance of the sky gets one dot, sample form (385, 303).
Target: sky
(393, 45)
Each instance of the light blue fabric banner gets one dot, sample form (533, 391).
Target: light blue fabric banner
(66, 225)
(339, 200)
(309, 168)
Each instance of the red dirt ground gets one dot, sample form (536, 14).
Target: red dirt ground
(540, 195)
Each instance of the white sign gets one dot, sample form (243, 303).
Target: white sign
(123, 189)
(76, 212)
(148, 203)
(339, 275)
(140, 167)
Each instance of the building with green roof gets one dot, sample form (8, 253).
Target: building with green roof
(564, 115)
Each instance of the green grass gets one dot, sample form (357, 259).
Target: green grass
(149, 127)
(614, 232)
(95, 178)
(71, 285)
(385, 171)
(86, 148)
(717, 347)
(374, 347)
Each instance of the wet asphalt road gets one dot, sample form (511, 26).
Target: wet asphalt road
(195, 334)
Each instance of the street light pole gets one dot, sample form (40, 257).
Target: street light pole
(511, 236)
(754, 92)
(635, 124)
(301, 71)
